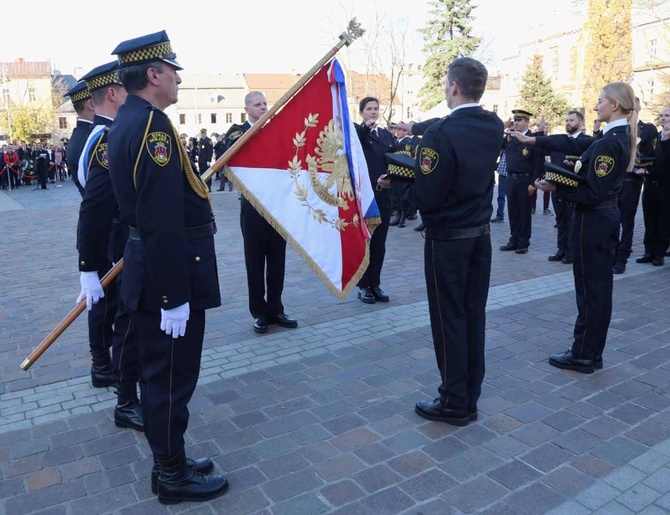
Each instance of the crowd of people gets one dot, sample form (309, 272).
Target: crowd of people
(21, 163)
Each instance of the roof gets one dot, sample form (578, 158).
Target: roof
(272, 85)
(21, 69)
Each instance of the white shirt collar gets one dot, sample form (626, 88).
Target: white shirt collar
(575, 135)
(616, 123)
(463, 106)
(250, 122)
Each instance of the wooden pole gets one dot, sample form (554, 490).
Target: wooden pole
(65, 323)
(345, 39)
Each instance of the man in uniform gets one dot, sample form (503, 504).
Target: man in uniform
(170, 276)
(83, 106)
(525, 163)
(205, 151)
(564, 209)
(656, 199)
(632, 186)
(453, 190)
(263, 246)
(41, 159)
(101, 238)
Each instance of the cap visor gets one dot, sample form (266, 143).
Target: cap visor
(174, 63)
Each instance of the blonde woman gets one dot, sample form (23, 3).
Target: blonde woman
(595, 225)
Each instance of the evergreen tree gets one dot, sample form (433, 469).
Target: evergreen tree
(447, 36)
(539, 97)
(609, 48)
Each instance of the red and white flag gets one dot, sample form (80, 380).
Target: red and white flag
(305, 173)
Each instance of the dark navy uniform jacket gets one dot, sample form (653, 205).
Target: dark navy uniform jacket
(648, 135)
(603, 164)
(98, 206)
(456, 160)
(234, 133)
(159, 194)
(375, 146)
(74, 148)
(524, 158)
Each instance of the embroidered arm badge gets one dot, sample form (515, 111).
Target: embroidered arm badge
(428, 160)
(603, 165)
(159, 146)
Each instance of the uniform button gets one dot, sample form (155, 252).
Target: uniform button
(197, 258)
(165, 296)
(165, 301)
(82, 263)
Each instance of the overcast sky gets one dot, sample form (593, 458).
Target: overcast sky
(261, 36)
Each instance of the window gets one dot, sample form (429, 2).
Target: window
(243, 117)
(649, 90)
(495, 108)
(409, 113)
(199, 118)
(31, 95)
(182, 119)
(212, 118)
(62, 122)
(229, 117)
(653, 46)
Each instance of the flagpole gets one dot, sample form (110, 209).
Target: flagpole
(345, 40)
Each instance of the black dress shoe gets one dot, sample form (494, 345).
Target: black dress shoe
(473, 414)
(201, 465)
(178, 482)
(260, 325)
(497, 220)
(644, 259)
(103, 375)
(437, 411)
(567, 261)
(658, 262)
(557, 257)
(567, 361)
(420, 227)
(129, 414)
(365, 295)
(412, 216)
(619, 268)
(521, 250)
(598, 363)
(379, 294)
(402, 222)
(508, 247)
(283, 321)
(395, 219)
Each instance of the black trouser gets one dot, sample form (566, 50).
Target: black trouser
(42, 178)
(457, 280)
(519, 204)
(396, 198)
(170, 369)
(125, 351)
(203, 167)
(262, 246)
(564, 212)
(656, 209)
(594, 243)
(628, 202)
(101, 318)
(372, 276)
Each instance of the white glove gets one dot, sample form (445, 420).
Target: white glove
(173, 321)
(90, 288)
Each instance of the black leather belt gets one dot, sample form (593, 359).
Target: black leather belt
(519, 175)
(603, 205)
(192, 233)
(457, 234)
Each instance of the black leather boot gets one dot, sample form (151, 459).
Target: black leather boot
(102, 370)
(128, 412)
(402, 221)
(178, 482)
(202, 465)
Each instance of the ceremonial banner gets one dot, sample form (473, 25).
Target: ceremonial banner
(305, 173)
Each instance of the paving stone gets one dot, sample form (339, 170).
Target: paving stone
(11, 487)
(62, 455)
(427, 485)
(75, 437)
(283, 465)
(445, 449)
(24, 449)
(631, 413)
(569, 508)
(109, 443)
(374, 453)
(354, 439)
(577, 441)
(342, 424)
(240, 502)
(342, 492)
(22, 466)
(597, 495)
(245, 478)
(319, 452)
(376, 478)
(79, 468)
(650, 461)
(563, 420)
(536, 498)
(309, 434)
(619, 450)
(528, 412)
(659, 480)
(412, 463)
(339, 466)
(237, 440)
(594, 467)
(405, 441)
(534, 433)
(104, 501)
(119, 457)
(605, 427)
(648, 433)
(638, 497)
(305, 503)
(475, 435)
(392, 500)
(432, 507)
(43, 478)
(474, 494)
(237, 459)
(568, 481)
(268, 449)
(39, 499)
(613, 508)
(514, 474)
(502, 424)
(471, 463)
(291, 485)
(624, 477)
(507, 446)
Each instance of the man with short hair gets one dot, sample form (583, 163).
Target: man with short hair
(264, 248)
(83, 106)
(170, 275)
(453, 190)
(205, 151)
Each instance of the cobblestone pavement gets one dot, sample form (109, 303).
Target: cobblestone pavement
(320, 419)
